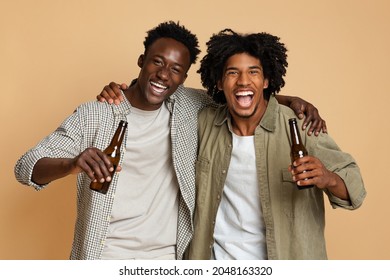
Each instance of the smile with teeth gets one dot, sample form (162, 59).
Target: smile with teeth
(159, 88)
(244, 98)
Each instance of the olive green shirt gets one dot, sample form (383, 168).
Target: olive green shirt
(294, 219)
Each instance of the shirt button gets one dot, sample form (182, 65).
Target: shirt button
(223, 171)
(218, 197)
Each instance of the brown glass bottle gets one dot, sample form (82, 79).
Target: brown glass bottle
(113, 152)
(298, 150)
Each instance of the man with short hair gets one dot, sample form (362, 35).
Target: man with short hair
(146, 213)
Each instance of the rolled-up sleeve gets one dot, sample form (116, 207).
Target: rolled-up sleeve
(64, 142)
(344, 165)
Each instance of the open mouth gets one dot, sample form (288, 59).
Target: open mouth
(157, 87)
(244, 98)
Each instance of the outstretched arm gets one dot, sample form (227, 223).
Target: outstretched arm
(92, 161)
(306, 110)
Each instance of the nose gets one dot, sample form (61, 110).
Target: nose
(163, 73)
(243, 79)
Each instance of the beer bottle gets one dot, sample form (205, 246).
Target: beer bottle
(113, 152)
(298, 150)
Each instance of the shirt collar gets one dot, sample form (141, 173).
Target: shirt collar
(268, 121)
(222, 115)
(170, 101)
(124, 107)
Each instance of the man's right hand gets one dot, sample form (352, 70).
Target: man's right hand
(112, 93)
(95, 164)
(92, 161)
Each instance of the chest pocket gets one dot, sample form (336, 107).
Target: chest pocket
(287, 176)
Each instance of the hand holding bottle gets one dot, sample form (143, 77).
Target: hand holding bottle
(309, 171)
(113, 154)
(298, 151)
(95, 163)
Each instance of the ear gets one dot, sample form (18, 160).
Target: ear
(219, 85)
(141, 60)
(265, 83)
(184, 78)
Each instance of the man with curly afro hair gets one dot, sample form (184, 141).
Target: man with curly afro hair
(248, 205)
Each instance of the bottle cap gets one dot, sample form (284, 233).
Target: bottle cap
(292, 120)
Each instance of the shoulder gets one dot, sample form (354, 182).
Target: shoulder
(191, 92)
(213, 114)
(192, 97)
(276, 115)
(94, 108)
(284, 110)
(91, 115)
(211, 111)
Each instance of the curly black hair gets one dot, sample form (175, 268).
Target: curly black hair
(267, 48)
(177, 32)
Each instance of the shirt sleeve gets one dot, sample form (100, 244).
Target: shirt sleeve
(64, 142)
(344, 165)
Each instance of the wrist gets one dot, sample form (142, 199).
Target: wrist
(337, 187)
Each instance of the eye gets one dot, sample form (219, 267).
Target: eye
(254, 72)
(231, 73)
(157, 62)
(176, 70)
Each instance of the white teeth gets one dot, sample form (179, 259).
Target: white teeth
(158, 85)
(244, 93)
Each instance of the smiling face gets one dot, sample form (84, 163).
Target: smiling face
(163, 68)
(243, 83)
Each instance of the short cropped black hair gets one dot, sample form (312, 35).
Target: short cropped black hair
(177, 32)
(267, 48)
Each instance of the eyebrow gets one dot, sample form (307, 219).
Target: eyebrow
(175, 63)
(250, 67)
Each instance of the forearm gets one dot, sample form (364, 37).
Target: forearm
(337, 187)
(47, 170)
(283, 99)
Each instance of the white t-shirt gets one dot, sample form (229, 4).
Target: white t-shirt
(145, 210)
(239, 227)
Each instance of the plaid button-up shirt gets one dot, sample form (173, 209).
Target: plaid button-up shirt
(93, 125)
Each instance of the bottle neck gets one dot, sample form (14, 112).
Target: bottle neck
(119, 134)
(295, 135)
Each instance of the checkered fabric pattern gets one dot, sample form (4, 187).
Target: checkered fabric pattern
(92, 125)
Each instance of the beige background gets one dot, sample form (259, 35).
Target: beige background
(57, 54)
